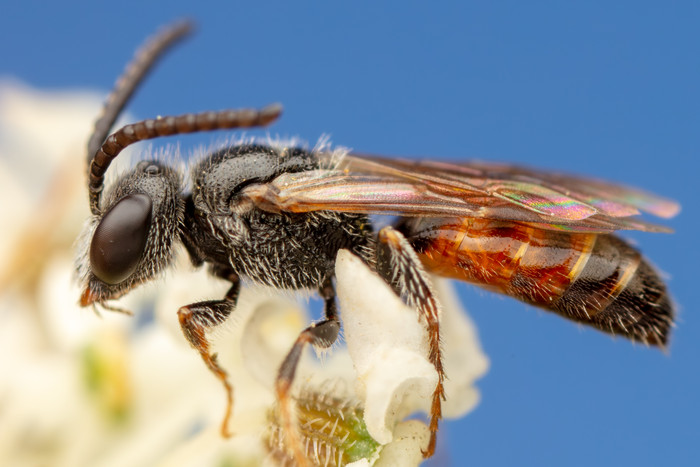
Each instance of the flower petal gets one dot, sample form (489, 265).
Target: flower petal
(387, 344)
(463, 359)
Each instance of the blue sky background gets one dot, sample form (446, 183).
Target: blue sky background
(594, 88)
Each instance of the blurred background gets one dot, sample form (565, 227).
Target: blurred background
(593, 88)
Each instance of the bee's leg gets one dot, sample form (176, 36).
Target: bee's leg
(197, 318)
(399, 265)
(322, 334)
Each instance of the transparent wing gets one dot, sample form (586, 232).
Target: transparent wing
(376, 185)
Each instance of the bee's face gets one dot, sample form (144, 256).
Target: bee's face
(131, 241)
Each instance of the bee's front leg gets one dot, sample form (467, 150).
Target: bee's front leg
(198, 318)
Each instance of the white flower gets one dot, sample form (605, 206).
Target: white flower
(79, 389)
(388, 346)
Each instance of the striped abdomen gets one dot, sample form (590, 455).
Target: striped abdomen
(595, 279)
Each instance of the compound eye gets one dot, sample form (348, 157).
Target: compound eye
(120, 239)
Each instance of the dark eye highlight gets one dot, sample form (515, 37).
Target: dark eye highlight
(120, 238)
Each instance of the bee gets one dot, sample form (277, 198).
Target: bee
(278, 215)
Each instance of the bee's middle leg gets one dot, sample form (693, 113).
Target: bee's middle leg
(321, 335)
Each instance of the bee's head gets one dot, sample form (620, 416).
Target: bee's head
(131, 240)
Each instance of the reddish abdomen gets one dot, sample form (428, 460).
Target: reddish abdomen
(591, 278)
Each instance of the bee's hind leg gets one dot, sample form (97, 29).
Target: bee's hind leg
(399, 265)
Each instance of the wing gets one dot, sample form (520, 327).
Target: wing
(376, 185)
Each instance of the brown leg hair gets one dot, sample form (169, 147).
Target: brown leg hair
(399, 265)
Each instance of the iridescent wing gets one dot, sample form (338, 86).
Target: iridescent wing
(376, 185)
